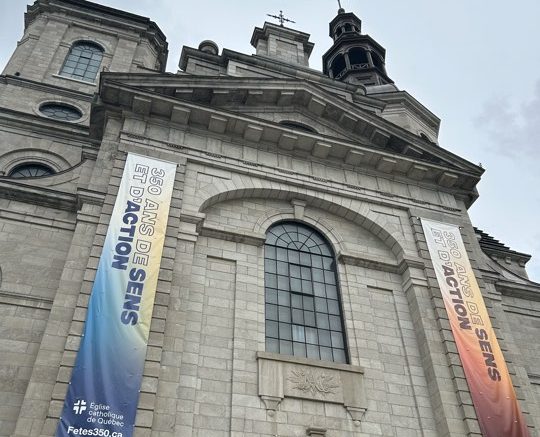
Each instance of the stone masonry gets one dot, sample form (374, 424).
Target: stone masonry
(258, 139)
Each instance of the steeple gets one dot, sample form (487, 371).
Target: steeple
(354, 58)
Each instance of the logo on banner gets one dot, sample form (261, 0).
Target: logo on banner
(79, 406)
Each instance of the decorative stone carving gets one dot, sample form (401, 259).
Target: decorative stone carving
(316, 383)
(282, 376)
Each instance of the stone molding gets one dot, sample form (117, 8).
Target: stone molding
(282, 376)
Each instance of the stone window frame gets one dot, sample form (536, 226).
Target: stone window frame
(11, 160)
(59, 107)
(62, 101)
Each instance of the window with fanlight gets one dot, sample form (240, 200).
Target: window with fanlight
(30, 170)
(303, 305)
(83, 61)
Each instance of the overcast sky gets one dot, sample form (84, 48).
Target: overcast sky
(474, 63)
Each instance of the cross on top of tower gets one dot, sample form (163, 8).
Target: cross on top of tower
(281, 18)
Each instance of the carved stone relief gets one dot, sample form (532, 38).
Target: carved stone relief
(282, 376)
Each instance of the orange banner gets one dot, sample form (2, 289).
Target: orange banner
(490, 385)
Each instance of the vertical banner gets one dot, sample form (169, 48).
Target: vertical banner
(104, 390)
(491, 389)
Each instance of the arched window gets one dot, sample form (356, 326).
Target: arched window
(30, 170)
(377, 61)
(83, 61)
(297, 125)
(303, 308)
(358, 56)
(338, 65)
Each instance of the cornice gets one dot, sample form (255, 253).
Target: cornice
(45, 87)
(219, 121)
(15, 190)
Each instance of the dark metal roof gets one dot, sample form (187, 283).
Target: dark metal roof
(491, 245)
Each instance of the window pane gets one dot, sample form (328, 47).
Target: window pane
(285, 331)
(307, 287)
(272, 345)
(284, 298)
(339, 356)
(296, 300)
(322, 321)
(331, 292)
(337, 340)
(271, 296)
(311, 336)
(296, 285)
(326, 353)
(329, 277)
(335, 323)
(285, 347)
(324, 337)
(269, 266)
(309, 318)
(328, 263)
(299, 349)
(305, 259)
(284, 314)
(318, 275)
(313, 351)
(283, 282)
(295, 271)
(298, 316)
(333, 307)
(308, 303)
(316, 261)
(294, 257)
(318, 289)
(270, 280)
(282, 268)
(269, 251)
(298, 333)
(272, 329)
(320, 305)
(271, 312)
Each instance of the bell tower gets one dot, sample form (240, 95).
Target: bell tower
(354, 58)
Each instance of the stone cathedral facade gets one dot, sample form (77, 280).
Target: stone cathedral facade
(296, 295)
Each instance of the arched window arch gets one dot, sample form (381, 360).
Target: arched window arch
(83, 61)
(30, 170)
(303, 305)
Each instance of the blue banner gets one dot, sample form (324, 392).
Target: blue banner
(104, 390)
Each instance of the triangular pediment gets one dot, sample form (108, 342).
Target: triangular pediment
(354, 132)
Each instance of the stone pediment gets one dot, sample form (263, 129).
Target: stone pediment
(229, 105)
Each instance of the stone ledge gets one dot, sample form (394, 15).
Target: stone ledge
(232, 234)
(282, 376)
